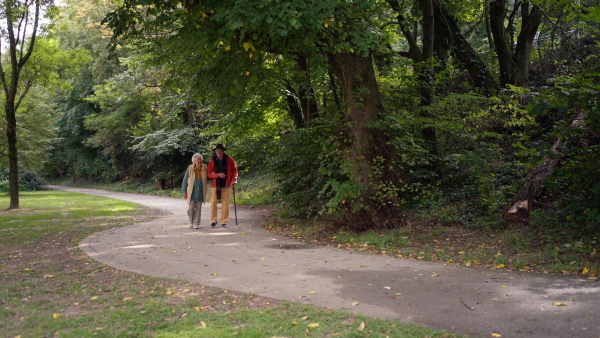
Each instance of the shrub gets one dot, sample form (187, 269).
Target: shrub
(28, 180)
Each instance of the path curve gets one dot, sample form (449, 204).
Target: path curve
(244, 257)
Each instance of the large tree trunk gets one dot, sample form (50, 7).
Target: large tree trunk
(514, 60)
(520, 207)
(363, 108)
(530, 23)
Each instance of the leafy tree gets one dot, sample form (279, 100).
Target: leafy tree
(345, 34)
(22, 70)
(19, 17)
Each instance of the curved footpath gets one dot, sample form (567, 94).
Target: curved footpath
(466, 300)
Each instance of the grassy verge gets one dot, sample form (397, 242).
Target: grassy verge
(49, 287)
(508, 249)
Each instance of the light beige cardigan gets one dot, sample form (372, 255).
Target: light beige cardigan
(192, 178)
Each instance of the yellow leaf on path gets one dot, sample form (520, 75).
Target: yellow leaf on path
(313, 292)
(499, 266)
(56, 315)
(559, 304)
(594, 278)
(313, 325)
(94, 298)
(496, 335)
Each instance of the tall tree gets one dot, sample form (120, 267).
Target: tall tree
(345, 32)
(18, 34)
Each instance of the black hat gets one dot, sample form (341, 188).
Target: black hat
(220, 146)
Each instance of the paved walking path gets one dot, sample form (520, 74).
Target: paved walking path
(472, 301)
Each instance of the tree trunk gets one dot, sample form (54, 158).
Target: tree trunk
(520, 207)
(13, 164)
(363, 108)
(531, 21)
(306, 93)
(19, 52)
(514, 60)
(293, 107)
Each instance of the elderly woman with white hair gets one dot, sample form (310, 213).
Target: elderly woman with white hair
(194, 189)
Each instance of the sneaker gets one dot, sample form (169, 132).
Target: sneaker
(223, 225)
(212, 225)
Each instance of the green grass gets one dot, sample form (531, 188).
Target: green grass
(51, 288)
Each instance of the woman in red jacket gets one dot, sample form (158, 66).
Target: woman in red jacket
(223, 171)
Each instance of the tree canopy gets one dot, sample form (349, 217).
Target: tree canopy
(366, 111)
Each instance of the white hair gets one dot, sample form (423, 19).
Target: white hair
(197, 155)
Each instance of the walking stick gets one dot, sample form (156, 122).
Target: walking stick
(234, 206)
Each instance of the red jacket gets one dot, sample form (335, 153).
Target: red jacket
(232, 171)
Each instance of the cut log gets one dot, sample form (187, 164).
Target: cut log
(520, 207)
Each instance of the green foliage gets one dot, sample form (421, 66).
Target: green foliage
(301, 169)
(28, 180)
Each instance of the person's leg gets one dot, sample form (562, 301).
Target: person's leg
(190, 213)
(197, 214)
(225, 195)
(213, 205)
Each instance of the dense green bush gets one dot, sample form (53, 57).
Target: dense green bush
(28, 180)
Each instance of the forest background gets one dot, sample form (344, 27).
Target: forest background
(404, 123)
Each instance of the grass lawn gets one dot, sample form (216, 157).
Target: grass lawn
(49, 287)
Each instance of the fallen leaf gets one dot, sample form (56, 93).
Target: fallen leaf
(496, 335)
(56, 315)
(202, 324)
(499, 266)
(559, 304)
(313, 292)
(461, 252)
(313, 325)
(94, 298)
(127, 298)
(361, 327)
